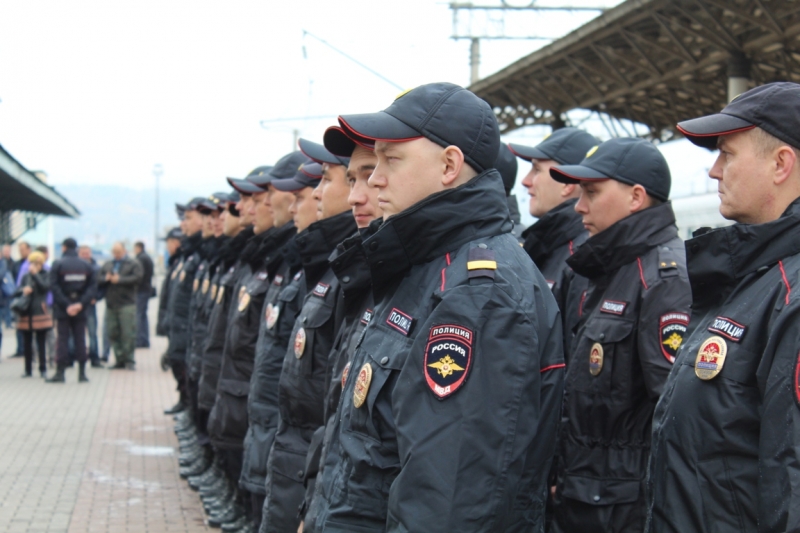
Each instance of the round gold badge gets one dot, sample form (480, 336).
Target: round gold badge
(710, 358)
(299, 343)
(244, 300)
(195, 285)
(361, 389)
(204, 288)
(220, 294)
(213, 293)
(345, 373)
(273, 311)
(182, 276)
(596, 359)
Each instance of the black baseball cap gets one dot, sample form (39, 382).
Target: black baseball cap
(307, 175)
(774, 107)
(506, 165)
(191, 205)
(338, 142)
(247, 186)
(443, 113)
(214, 202)
(285, 168)
(174, 233)
(629, 161)
(565, 146)
(320, 154)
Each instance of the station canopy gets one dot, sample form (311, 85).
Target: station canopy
(20, 190)
(653, 62)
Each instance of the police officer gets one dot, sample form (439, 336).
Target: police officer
(274, 321)
(725, 432)
(180, 292)
(447, 418)
(73, 284)
(323, 219)
(558, 230)
(634, 317)
(355, 304)
(173, 243)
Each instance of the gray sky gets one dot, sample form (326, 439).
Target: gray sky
(99, 91)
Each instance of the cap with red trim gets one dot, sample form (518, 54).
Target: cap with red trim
(774, 107)
(307, 175)
(338, 142)
(321, 154)
(565, 146)
(248, 186)
(629, 161)
(443, 113)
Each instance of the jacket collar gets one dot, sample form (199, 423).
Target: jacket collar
(254, 252)
(191, 244)
(439, 224)
(555, 229)
(628, 239)
(726, 255)
(316, 242)
(349, 263)
(276, 243)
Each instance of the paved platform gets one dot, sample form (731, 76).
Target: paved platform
(96, 457)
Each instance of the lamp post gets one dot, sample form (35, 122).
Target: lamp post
(158, 171)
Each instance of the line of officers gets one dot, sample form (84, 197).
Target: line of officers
(363, 344)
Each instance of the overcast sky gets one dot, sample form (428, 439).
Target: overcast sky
(100, 91)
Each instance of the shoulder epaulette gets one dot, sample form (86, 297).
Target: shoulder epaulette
(667, 262)
(481, 262)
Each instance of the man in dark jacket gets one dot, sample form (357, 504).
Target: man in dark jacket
(120, 278)
(634, 318)
(448, 414)
(323, 220)
(726, 439)
(173, 244)
(85, 253)
(143, 294)
(74, 286)
(559, 229)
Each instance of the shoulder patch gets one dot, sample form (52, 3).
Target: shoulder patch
(672, 329)
(481, 262)
(613, 307)
(728, 328)
(448, 358)
(400, 321)
(321, 289)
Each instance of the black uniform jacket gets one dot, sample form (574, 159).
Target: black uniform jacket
(180, 295)
(635, 315)
(282, 305)
(302, 384)
(72, 280)
(221, 290)
(550, 242)
(198, 306)
(162, 322)
(448, 416)
(354, 311)
(726, 432)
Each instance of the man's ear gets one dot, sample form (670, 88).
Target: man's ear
(638, 198)
(785, 162)
(453, 161)
(570, 191)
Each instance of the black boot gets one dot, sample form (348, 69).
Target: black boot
(82, 373)
(58, 377)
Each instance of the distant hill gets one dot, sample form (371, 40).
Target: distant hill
(112, 213)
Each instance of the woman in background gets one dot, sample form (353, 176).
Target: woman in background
(36, 320)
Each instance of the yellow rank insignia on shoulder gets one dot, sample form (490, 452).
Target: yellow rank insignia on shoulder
(481, 262)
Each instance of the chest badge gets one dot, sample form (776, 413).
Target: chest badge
(272, 314)
(204, 288)
(361, 389)
(448, 358)
(220, 294)
(345, 373)
(710, 358)
(300, 343)
(213, 293)
(596, 359)
(195, 285)
(244, 300)
(182, 276)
